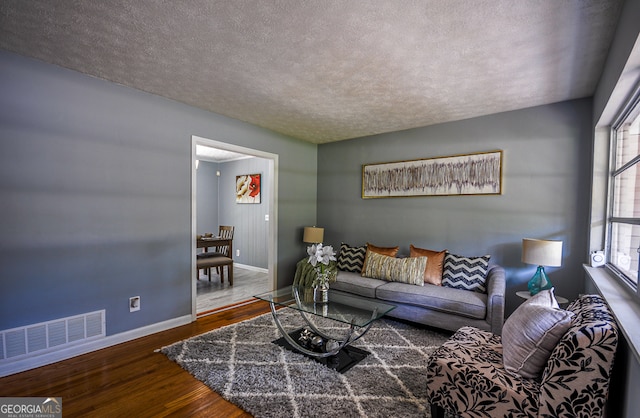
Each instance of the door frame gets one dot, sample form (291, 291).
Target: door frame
(272, 179)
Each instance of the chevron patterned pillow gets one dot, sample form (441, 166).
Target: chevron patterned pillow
(351, 258)
(466, 273)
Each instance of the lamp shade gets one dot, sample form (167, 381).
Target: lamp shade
(542, 252)
(313, 235)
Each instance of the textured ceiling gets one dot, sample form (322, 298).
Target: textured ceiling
(216, 155)
(327, 70)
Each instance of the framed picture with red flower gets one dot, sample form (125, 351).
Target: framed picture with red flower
(248, 188)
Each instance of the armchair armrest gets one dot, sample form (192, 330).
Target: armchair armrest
(496, 287)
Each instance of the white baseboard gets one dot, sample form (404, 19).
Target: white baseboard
(94, 345)
(252, 268)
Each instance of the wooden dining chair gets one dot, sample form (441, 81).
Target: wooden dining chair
(218, 262)
(227, 233)
(224, 231)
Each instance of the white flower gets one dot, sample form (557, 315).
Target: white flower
(319, 257)
(319, 253)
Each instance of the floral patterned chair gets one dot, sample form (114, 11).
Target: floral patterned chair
(467, 377)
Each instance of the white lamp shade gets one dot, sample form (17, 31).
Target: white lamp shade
(542, 252)
(313, 235)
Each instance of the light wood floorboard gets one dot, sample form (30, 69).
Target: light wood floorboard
(213, 294)
(130, 379)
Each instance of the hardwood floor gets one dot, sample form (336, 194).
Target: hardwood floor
(130, 379)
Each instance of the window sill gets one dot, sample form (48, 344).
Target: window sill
(625, 308)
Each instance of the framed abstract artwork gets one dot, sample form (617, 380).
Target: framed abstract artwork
(248, 188)
(469, 174)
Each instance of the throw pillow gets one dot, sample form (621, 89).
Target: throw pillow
(435, 263)
(531, 333)
(390, 251)
(351, 258)
(466, 273)
(405, 270)
(545, 298)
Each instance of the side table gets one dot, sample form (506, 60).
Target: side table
(524, 294)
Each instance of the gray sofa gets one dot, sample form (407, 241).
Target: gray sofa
(436, 306)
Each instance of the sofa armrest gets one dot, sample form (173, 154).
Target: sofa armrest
(496, 287)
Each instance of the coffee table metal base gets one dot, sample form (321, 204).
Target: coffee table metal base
(351, 336)
(345, 359)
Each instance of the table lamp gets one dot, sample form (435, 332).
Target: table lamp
(313, 235)
(541, 253)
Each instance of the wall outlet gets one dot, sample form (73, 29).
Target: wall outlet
(134, 303)
(237, 253)
(266, 217)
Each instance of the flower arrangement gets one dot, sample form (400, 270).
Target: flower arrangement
(319, 257)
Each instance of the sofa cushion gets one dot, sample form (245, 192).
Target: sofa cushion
(438, 298)
(531, 333)
(545, 298)
(465, 273)
(351, 258)
(435, 263)
(356, 284)
(405, 270)
(390, 251)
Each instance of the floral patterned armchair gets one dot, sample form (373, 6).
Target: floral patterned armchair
(466, 375)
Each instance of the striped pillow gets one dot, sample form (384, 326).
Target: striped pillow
(351, 258)
(466, 273)
(405, 270)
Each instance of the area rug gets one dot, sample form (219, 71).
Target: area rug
(241, 363)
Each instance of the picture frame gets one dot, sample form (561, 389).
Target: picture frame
(248, 188)
(456, 175)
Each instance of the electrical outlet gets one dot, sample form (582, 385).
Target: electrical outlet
(134, 303)
(266, 217)
(237, 253)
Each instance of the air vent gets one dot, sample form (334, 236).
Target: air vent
(35, 339)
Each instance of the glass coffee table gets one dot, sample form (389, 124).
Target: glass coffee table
(335, 351)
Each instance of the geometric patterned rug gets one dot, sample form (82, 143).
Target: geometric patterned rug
(241, 363)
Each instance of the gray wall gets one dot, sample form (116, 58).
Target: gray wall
(251, 231)
(545, 191)
(207, 197)
(95, 180)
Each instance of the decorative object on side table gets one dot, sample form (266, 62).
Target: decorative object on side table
(541, 253)
(319, 257)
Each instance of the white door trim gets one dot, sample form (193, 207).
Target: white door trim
(272, 178)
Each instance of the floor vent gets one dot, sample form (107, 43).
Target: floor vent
(36, 339)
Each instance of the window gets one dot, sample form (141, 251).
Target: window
(623, 240)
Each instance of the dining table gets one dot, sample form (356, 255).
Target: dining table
(208, 242)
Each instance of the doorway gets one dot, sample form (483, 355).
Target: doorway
(268, 207)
